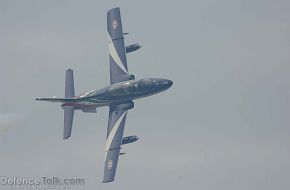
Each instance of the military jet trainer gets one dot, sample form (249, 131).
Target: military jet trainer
(119, 96)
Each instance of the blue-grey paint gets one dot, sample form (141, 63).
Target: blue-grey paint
(115, 31)
(69, 84)
(129, 139)
(119, 95)
(132, 48)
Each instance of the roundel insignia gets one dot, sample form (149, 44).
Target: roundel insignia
(110, 164)
(115, 24)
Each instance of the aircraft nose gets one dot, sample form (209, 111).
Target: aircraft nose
(170, 83)
(167, 83)
(164, 83)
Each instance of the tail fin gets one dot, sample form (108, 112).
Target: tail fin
(69, 84)
(68, 120)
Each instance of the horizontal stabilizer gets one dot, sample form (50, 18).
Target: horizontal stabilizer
(69, 84)
(68, 120)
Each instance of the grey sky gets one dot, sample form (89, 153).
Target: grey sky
(223, 125)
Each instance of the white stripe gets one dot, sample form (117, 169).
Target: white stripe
(113, 133)
(114, 54)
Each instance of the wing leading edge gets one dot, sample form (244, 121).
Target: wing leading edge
(118, 61)
(116, 124)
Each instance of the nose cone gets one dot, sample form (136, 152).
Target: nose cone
(170, 83)
(162, 84)
(166, 83)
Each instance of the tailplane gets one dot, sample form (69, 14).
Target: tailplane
(68, 110)
(69, 90)
(70, 103)
(69, 84)
(68, 120)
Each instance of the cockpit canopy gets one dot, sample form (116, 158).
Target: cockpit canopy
(131, 87)
(145, 85)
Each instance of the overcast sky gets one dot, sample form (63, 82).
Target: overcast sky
(223, 125)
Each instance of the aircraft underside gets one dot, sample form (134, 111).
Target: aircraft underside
(118, 96)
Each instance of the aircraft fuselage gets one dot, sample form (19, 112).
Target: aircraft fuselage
(120, 92)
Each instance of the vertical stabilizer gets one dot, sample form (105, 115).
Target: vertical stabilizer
(69, 84)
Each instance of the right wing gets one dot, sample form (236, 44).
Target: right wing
(118, 62)
(115, 131)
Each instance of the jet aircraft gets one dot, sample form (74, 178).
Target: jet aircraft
(119, 96)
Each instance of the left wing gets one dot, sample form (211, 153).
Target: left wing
(116, 123)
(118, 62)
